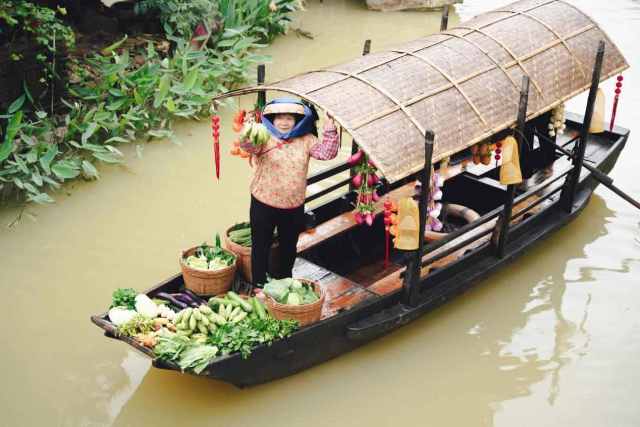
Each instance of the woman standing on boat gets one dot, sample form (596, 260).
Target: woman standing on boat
(278, 189)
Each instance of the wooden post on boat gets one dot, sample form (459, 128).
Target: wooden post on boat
(262, 95)
(505, 219)
(444, 21)
(366, 49)
(571, 183)
(412, 276)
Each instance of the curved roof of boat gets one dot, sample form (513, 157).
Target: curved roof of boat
(463, 84)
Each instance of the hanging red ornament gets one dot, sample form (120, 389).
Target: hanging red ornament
(215, 127)
(615, 101)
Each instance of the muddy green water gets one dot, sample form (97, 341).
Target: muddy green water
(551, 340)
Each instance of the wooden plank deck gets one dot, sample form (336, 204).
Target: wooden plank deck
(341, 293)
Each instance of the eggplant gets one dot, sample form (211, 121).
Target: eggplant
(186, 299)
(172, 300)
(197, 298)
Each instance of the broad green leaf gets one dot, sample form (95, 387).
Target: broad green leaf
(16, 105)
(30, 188)
(107, 157)
(32, 155)
(41, 114)
(170, 105)
(116, 105)
(116, 139)
(12, 129)
(45, 160)
(163, 90)
(107, 50)
(52, 182)
(159, 133)
(91, 129)
(18, 182)
(89, 169)
(64, 169)
(40, 198)
(36, 178)
(191, 78)
(21, 164)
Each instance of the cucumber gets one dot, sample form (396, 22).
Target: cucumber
(259, 308)
(215, 301)
(235, 297)
(193, 323)
(204, 321)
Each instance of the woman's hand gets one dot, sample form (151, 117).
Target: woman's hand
(329, 120)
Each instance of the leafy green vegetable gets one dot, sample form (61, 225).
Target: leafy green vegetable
(215, 256)
(124, 297)
(197, 357)
(171, 346)
(138, 325)
(252, 331)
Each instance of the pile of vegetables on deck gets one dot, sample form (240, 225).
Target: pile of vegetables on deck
(291, 291)
(197, 331)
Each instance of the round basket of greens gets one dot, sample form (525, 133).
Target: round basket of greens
(208, 270)
(295, 299)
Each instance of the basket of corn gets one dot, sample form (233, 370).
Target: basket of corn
(294, 299)
(208, 270)
(237, 239)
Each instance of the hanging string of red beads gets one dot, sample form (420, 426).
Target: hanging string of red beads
(615, 101)
(215, 128)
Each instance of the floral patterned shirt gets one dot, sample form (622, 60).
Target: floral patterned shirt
(281, 167)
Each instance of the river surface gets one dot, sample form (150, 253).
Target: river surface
(551, 340)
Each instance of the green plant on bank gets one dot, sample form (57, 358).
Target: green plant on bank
(264, 19)
(179, 17)
(117, 100)
(20, 17)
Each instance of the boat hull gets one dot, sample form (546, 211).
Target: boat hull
(378, 316)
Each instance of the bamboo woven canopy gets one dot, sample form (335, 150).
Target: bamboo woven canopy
(463, 84)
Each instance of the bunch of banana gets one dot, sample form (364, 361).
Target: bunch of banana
(256, 133)
(195, 320)
(229, 314)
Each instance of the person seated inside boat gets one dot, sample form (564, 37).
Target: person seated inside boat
(278, 188)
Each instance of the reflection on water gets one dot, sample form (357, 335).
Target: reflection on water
(550, 340)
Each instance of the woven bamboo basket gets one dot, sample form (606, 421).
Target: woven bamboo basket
(204, 282)
(243, 254)
(305, 314)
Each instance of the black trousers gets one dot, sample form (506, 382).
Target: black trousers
(264, 220)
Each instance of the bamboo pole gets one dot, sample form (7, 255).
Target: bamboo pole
(412, 277)
(366, 49)
(505, 219)
(444, 21)
(262, 95)
(571, 183)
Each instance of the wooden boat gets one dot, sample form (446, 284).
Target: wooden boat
(459, 87)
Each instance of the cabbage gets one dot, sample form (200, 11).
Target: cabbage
(294, 299)
(276, 289)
